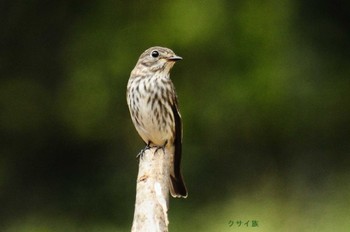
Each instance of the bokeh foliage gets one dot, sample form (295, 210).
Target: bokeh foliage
(264, 93)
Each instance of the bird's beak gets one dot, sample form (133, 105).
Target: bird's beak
(175, 58)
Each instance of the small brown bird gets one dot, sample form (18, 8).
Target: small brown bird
(154, 110)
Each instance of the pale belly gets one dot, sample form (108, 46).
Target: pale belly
(150, 105)
(153, 127)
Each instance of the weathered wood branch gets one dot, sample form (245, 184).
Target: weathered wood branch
(152, 192)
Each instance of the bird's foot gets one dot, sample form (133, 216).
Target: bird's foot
(161, 147)
(148, 146)
(143, 150)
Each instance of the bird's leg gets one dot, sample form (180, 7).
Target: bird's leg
(144, 149)
(162, 147)
(148, 146)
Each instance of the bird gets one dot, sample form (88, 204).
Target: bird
(154, 111)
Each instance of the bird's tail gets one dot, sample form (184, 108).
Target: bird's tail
(177, 186)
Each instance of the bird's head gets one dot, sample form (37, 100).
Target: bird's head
(158, 59)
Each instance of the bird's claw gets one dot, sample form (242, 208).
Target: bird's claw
(148, 146)
(143, 150)
(161, 147)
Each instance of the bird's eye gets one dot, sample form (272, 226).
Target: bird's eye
(154, 54)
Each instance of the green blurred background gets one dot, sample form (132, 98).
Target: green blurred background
(264, 92)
